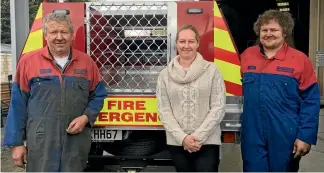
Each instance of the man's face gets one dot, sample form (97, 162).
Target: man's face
(58, 37)
(271, 35)
(187, 44)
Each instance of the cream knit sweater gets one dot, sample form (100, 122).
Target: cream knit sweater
(192, 101)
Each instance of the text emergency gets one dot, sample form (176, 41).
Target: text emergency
(128, 117)
(129, 111)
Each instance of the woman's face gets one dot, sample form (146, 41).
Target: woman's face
(187, 44)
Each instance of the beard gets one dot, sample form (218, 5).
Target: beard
(272, 45)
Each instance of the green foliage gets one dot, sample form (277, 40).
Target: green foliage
(5, 21)
(33, 8)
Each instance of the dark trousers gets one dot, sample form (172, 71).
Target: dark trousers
(204, 160)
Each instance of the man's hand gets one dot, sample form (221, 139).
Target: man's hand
(19, 155)
(77, 125)
(191, 143)
(301, 148)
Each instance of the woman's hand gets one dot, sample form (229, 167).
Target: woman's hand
(191, 143)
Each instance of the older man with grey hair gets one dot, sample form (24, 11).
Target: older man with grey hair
(56, 97)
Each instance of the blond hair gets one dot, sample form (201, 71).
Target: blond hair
(189, 27)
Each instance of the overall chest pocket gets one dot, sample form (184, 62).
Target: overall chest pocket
(286, 93)
(248, 85)
(42, 88)
(81, 91)
(289, 89)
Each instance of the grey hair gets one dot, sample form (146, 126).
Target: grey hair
(58, 17)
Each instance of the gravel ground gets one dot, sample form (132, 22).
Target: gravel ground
(6, 161)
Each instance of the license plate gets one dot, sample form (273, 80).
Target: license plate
(106, 134)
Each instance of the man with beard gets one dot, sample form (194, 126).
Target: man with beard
(56, 96)
(281, 99)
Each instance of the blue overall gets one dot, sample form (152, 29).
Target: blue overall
(281, 104)
(45, 99)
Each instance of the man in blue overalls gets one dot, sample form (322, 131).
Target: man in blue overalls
(281, 99)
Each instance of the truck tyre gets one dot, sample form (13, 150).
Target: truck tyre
(139, 143)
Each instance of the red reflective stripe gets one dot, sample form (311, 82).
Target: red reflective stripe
(37, 25)
(226, 56)
(219, 23)
(233, 88)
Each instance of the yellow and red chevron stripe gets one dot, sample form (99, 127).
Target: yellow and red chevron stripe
(35, 36)
(226, 56)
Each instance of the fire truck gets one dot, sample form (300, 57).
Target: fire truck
(131, 42)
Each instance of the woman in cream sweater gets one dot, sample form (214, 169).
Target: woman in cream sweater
(191, 103)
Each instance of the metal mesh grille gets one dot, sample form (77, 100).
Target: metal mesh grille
(129, 44)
